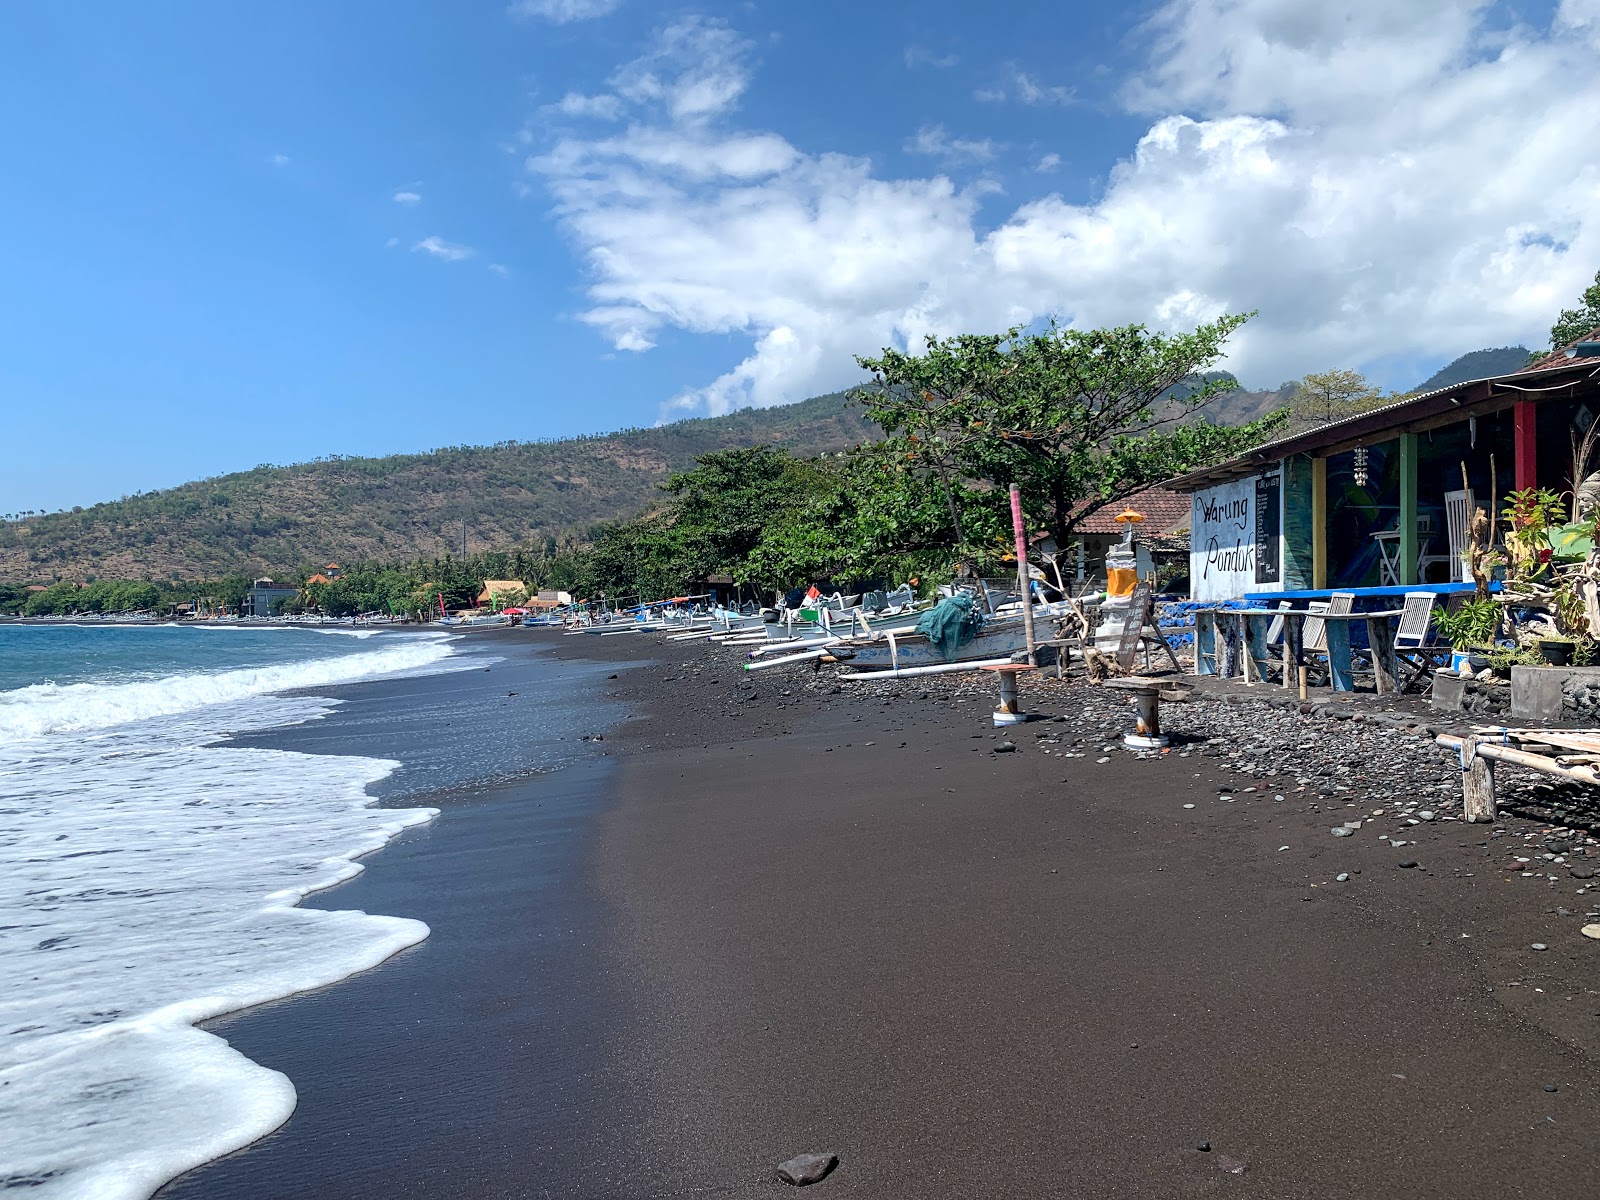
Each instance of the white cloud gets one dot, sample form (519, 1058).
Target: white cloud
(1398, 182)
(499, 269)
(1048, 163)
(1025, 89)
(696, 70)
(600, 108)
(280, 160)
(439, 248)
(935, 142)
(391, 243)
(407, 197)
(921, 56)
(563, 11)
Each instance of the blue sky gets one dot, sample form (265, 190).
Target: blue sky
(244, 234)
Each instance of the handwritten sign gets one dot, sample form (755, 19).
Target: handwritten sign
(1269, 525)
(1133, 624)
(1235, 539)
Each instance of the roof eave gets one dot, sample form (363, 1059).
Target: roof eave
(1444, 406)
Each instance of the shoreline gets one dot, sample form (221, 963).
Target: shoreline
(826, 918)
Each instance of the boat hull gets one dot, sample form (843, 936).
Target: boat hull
(914, 650)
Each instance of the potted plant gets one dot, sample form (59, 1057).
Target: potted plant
(1530, 514)
(1470, 632)
(1557, 651)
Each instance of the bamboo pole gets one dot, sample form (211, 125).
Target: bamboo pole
(1022, 573)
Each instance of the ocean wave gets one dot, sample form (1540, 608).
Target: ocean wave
(151, 881)
(48, 708)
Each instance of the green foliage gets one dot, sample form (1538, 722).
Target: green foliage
(1078, 419)
(1576, 323)
(1530, 514)
(1473, 624)
(1517, 656)
(1327, 396)
(271, 519)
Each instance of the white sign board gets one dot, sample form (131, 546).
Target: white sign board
(1233, 549)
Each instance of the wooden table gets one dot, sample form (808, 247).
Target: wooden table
(1251, 637)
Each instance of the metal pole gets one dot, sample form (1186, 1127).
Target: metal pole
(1022, 573)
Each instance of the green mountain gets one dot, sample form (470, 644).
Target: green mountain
(273, 519)
(1480, 364)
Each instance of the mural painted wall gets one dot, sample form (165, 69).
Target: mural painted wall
(1236, 538)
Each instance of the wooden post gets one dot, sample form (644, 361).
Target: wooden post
(1246, 659)
(1477, 783)
(1255, 642)
(1319, 523)
(1022, 573)
(1227, 649)
(1525, 434)
(1293, 650)
(1408, 509)
(1339, 656)
(1205, 642)
(1385, 667)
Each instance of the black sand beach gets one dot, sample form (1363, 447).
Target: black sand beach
(764, 918)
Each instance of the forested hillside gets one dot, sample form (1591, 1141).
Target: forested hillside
(400, 506)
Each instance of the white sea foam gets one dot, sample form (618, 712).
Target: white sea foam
(46, 708)
(148, 882)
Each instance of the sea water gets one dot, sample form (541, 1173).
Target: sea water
(149, 877)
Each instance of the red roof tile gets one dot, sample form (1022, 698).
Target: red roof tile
(1163, 511)
(1558, 358)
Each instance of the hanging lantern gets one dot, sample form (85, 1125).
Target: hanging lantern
(1360, 464)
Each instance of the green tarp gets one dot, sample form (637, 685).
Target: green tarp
(951, 624)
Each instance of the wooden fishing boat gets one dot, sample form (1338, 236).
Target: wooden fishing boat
(889, 651)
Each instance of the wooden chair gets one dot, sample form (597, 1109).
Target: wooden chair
(1413, 640)
(1315, 637)
(1458, 507)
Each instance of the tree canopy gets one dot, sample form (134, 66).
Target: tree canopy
(1575, 323)
(1078, 419)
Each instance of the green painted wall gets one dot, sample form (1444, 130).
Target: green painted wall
(1297, 522)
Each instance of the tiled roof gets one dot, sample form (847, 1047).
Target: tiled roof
(1163, 510)
(1558, 358)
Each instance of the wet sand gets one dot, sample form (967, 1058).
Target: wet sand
(966, 973)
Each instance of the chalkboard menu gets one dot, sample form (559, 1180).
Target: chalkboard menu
(1269, 524)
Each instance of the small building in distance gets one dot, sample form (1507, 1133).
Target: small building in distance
(263, 592)
(510, 591)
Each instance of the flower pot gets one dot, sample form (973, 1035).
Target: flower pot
(1557, 651)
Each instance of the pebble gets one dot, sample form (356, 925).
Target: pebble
(1549, 1087)
(1186, 805)
(1341, 877)
(1340, 832)
(1407, 863)
(807, 1168)
(1540, 946)
(1591, 931)
(1005, 747)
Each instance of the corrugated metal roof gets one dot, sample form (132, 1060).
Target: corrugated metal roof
(1330, 434)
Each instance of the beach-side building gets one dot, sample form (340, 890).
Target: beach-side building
(1383, 498)
(509, 591)
(258, 602)
(1166, 515)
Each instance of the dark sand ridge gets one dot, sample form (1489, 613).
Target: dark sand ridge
(969, 974)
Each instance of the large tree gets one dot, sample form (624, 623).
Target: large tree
(1324, 397)
(1078, 418)
(1575, 323)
